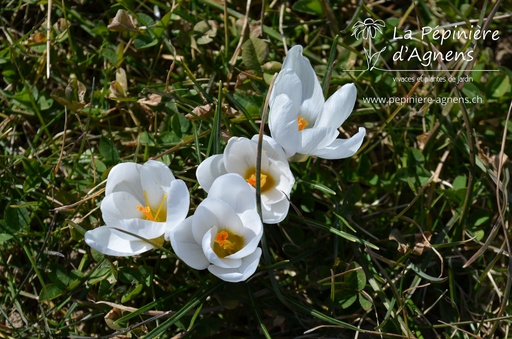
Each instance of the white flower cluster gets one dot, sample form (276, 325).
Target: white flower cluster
(146, 205)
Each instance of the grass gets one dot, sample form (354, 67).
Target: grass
(410, 238)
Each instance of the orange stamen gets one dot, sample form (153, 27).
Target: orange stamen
(302, 123)
(147, 212)
(226, 243)
(222, 239)
(252, 180)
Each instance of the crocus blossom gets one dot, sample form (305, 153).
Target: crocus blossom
(223, 233)
(141, 203)
(301, 121)
(276, 179)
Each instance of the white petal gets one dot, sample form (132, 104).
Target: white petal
(283, 129)
(108, 241)
(338, 107)
(284, 78)
(282, 175)
(120, 205)
(156, 178)
(286, 179)
(251, 221)
(178, 202)
(271, 148)
(284, 110)
(312, 139)
(342, 148)
(234, 190)
(214, 212)
(253, 230)
(277, 212)
(312, 95)
(210, 169)
(287, 83)
(272, 196)
(185, 246)
(242, 273)
(240, 156)
(145, 229)
(124, 177)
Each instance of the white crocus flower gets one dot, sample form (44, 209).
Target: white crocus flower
(276, 179)
(224, 232)
(143, 200)
(301, 121)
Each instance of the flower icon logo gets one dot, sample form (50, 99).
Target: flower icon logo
(367, 30)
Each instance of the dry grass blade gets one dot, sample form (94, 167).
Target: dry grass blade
(48, 39)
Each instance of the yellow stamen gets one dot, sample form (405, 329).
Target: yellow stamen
(302, 123)
(164, 198)
(161, 213)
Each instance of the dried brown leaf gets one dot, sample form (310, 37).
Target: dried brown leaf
(422, 140)
(397, 236)
(203, 112)
(123, 22)
(422, 243)
(111, 317)
(61, 25)
(153, 100)
(38, 38)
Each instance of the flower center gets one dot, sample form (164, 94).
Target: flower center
(302, 123)
(266, 180)
(252, 180)
(227, 243)
(158, 214)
